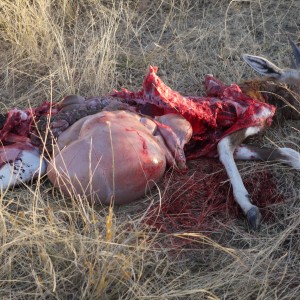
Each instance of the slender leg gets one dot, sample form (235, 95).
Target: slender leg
(226, 149)
(284, 155)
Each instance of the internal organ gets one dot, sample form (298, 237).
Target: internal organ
(117, 155)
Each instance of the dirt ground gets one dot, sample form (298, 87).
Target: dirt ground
(52, 247)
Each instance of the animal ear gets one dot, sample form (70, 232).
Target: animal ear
(296, 52)
(263, 66)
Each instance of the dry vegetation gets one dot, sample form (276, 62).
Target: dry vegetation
(56, 248)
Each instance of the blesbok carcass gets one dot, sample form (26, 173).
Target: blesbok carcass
(116, 153)
(221, 122)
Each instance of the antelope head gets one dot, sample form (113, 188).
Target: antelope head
(279, 87)
(266, 68)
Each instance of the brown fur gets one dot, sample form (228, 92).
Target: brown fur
(285, 98)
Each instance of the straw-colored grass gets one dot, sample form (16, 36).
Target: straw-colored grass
(52, 247)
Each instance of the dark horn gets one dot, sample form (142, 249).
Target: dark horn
(296, 51)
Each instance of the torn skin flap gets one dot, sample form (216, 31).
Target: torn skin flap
(173, 144)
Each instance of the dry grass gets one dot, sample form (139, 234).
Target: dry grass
(56, 248)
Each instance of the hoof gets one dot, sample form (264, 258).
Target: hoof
(254, 217)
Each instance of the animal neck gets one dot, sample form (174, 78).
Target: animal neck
(276, 93)
(263, 89)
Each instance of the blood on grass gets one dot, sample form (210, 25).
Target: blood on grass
(201, 200)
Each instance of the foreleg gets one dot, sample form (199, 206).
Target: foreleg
(226, 148)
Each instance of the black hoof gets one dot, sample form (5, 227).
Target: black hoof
(254, 217)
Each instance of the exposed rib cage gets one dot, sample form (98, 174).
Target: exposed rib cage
(223, 111)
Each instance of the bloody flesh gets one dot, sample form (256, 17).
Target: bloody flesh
(225, 109)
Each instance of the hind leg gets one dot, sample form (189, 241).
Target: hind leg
(285, 155)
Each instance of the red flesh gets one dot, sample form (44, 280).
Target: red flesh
(19, 123)
(225, 110)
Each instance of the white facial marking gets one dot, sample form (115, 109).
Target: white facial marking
(291, 76)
